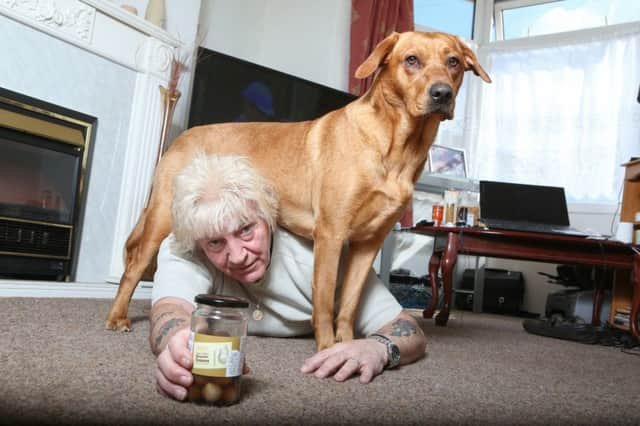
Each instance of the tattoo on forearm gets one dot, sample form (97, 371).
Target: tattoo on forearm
(402, 328)
(160, 316)
(166, 328)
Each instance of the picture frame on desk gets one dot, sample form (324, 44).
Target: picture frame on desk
(447, 161)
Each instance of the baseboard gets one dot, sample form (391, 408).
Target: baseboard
(71, 290)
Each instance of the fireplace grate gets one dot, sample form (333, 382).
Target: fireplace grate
(23, 238)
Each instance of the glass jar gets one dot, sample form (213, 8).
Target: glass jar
(217, 343)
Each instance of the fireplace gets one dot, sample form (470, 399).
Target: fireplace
(44, 159)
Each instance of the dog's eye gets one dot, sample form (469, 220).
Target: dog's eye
(453, 62)
(411, 60)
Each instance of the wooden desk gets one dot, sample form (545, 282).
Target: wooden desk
(449, 241)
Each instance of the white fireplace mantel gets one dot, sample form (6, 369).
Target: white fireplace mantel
(100, 27)
(146, 51)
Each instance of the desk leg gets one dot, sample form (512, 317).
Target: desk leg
(434, 266)
(449, 259)
(635, 300)
(598, 296)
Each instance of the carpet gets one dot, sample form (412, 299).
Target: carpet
(59, 366)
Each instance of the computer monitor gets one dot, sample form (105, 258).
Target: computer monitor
(521, 202)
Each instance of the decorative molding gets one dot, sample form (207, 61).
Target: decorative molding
(9, 288)
(139, 165)
(100, 27)
(69, 17)
(155, 57)
(140, 24)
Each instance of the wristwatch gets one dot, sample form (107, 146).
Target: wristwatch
(393, 351)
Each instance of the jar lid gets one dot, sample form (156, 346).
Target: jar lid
(221, 301)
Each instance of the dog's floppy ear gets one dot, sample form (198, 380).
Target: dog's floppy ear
(377, 57)
(471, 63)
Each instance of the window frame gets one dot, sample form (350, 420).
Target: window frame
(500, 6)
(426, 28)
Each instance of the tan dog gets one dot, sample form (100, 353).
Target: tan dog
(346, 176)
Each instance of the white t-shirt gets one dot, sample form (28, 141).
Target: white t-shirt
(284, 294)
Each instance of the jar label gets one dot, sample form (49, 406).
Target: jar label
(217, 356)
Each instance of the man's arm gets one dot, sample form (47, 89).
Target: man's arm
(368, 357)
(170, 319)
(176, 282)
(405, 332)
(168, 315)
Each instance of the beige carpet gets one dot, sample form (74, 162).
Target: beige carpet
(58, 366)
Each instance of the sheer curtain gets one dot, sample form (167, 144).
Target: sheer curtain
(561, 111)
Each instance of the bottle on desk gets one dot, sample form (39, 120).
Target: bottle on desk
(471, 219)
(466, 216)
(472, 216)
(437, 213)
(450, 214)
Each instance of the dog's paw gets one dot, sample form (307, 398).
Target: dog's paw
(344, 335)
(321, 347)
(122, 325)
(324, 343)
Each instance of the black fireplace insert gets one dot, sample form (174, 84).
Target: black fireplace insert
(44, 161)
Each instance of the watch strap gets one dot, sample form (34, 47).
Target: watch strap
(393, 352)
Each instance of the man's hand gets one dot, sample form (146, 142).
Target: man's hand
(366, 357)
(173, 367)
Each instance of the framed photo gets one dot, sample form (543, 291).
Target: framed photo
(447, 161)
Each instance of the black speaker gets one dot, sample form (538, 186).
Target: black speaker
(503, 291)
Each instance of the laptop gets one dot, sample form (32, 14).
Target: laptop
(519, 207)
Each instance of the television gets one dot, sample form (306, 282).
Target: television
(228, 89)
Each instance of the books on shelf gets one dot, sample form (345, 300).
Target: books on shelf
(621, 317)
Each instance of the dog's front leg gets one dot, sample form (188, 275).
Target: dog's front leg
(326, 258)
(359, 261)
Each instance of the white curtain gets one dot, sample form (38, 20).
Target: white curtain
(561, 111)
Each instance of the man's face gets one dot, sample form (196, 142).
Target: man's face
(243, 253)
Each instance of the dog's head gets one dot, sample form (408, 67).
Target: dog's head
(421, 71)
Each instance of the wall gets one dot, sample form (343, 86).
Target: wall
(309, 39)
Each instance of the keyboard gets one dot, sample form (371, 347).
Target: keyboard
(533, 227)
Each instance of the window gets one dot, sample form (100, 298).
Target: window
(525, 18)
(559, 114)
(450, 16)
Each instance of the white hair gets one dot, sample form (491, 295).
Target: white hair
(214, 195)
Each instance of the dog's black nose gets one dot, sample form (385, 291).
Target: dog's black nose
(441, 93)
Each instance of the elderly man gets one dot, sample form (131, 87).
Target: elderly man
(225, 240)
